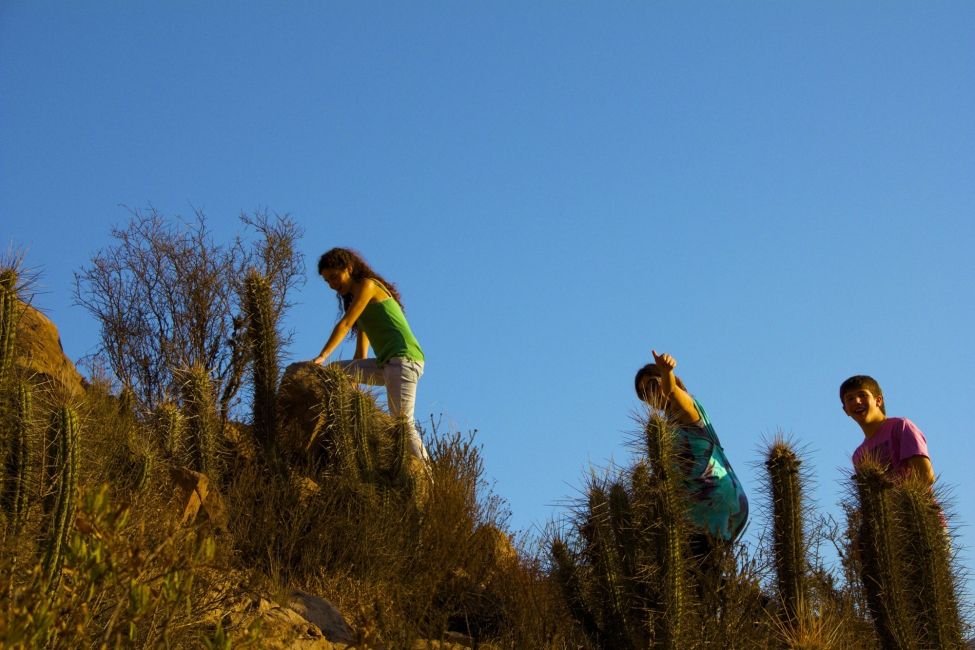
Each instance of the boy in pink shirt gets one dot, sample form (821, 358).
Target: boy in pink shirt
(895, 442)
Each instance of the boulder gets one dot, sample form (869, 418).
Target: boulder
(302, 421)
(284, 626)
(38, 351)
(323, 615)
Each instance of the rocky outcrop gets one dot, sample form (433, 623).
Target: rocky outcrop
(38, 351)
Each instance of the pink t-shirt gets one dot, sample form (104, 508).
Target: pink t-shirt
(896, 440)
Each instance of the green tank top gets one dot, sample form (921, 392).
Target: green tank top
(389, 333)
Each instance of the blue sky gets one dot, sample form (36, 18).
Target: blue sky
(778, 194)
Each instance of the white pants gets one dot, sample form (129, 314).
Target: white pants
(399, 375)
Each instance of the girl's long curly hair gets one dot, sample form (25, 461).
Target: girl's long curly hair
(340, 258)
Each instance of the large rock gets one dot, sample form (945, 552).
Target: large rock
(38, 350)
(302, 421)
(307, 622)
(323, 615)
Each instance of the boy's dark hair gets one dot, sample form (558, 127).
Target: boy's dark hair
(857, 382)
(650, 370)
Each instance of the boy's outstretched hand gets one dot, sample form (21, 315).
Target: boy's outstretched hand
(664, 360)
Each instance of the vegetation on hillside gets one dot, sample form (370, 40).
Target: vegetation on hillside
(104, 545)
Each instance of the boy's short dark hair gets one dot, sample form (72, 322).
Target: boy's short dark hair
(857, 382)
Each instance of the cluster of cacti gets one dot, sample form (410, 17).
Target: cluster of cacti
(200, 417)
(262, 337)
(905, 562)
(17, 466)
(788, 535)
(60, 502)
(628, 583)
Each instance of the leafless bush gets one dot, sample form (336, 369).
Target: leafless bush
(167, 296)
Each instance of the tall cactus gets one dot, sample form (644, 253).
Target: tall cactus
(931, 585)
(788, 538)
(201, 420)
(882, 570)
(8, 325)
(17, 468)
(65, 433)
(668, 500)
(262, 336)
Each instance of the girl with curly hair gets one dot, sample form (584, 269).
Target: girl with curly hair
(373, 310)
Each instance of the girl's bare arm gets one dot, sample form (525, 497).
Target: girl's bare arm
(362, 294)
(682, 402)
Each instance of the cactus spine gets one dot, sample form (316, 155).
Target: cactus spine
(200, 415)
(65, 431)
(262, 337)
(930, 584)
(788, 538)
(8, 325)
(18, 460)
(882, 573)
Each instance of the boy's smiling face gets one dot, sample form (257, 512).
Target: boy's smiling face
(863, 406)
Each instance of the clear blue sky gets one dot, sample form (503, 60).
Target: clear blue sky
(779, 194)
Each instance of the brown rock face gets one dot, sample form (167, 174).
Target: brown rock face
(37, 349)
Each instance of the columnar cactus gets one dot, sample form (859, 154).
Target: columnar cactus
(788, 538)
(608, 571)
(17, 468)
(931, 586)
(65, 432)
(882, 568)
(568, 576)
(262, 336)
(8, 325)
(362, 434)
(399, 451)
(169, 426)
(199, 412)
(670, 511)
